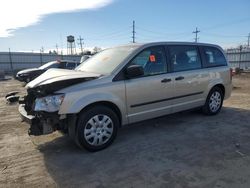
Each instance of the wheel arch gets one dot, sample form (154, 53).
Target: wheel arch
(205, 107)
(213, 84)
(221, 86)
(108, 104)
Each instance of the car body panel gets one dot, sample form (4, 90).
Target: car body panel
(141, 98)
(100, 91)
(54, 75)
(147, 97)
(189, 92)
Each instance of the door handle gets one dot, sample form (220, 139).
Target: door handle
(179, 78)
(165, 80)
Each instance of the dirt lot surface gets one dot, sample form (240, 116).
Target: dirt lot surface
(182, 150)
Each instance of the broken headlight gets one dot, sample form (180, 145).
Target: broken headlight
(49, 104)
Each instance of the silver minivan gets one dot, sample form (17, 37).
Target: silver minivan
(124, 85)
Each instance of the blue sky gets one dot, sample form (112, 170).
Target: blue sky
(108, 23)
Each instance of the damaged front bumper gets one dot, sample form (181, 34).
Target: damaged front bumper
(42, 123)
(25, 117)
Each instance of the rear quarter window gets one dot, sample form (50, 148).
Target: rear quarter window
(214, 57)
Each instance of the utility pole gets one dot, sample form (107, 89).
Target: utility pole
(11, 63)
(41, 56)
(61, 45)
(56, 48)
(248, 40)
(133, 32)
(196, 34)
(241, 47)
(42, 50)
(80, 43)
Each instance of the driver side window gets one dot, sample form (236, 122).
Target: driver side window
(152, 60)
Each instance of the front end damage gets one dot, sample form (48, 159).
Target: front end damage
(41, 122)
(44, 122)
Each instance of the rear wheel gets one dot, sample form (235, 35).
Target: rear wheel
(214, 101)
(96, 128)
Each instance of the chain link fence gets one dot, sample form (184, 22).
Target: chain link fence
(14, 61)
(239, 58)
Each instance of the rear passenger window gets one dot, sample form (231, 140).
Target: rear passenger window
(214, 57)
(184, 58)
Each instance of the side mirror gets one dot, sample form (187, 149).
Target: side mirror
(134, 71)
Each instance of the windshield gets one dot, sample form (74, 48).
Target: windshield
(106, 61)
(52, 64)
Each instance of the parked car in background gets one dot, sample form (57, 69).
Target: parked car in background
(84, 58)
(124, 85)
(27, 75)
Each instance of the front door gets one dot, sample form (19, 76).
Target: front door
(149, 95)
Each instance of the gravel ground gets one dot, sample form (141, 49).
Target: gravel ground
(186, 149)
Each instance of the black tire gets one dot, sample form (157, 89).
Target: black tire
(209, 108)
(98, 129)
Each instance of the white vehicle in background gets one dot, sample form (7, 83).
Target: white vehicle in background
(27, 75)
(84, 58)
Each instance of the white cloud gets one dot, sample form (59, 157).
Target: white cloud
(22, 13)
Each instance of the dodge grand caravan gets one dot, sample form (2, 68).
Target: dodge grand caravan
(123, 85)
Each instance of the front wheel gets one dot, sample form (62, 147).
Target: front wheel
(96, 128)
(214, 101)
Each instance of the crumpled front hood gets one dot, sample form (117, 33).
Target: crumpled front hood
(62, 77)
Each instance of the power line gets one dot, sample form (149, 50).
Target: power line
(153, 33)
(118, 32)
(234, 22)
(113, 35)
(125, 33)
(225, 36)
(196, 34)
(102, 39)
